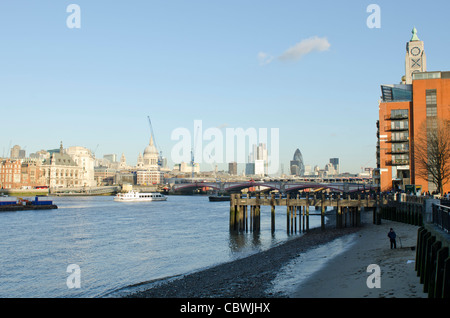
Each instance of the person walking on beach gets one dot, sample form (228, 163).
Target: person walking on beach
(392, 237)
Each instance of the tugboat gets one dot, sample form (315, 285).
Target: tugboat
(216, 197)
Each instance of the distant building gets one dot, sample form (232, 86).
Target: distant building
(85, 160)
(61, 171)
(148, 177)
(296, 166)
(260, 167)
(250, 168)
(123, 162)
(257, 161)
(31, 173)
(329, 170)
(186, 167)
(125, 177)
(232, 168)
(10, 171)
(104, 176)
(40, 155)
(150, 157)
(335, 163)
(110, 157)
(17, 152)
(308, 170)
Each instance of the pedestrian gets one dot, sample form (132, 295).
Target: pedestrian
(392, 237)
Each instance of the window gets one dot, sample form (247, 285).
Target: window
(431, 103)
(399, 114)
(428, 75)
(400, 148)
(400, 159)
(400, 136)
(399, 125)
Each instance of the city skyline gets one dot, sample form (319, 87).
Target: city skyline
(311, 70)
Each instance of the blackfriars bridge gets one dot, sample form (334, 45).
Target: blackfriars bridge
(280, 186)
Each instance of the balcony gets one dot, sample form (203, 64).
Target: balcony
(399, 139)
(397, 162)
(397, 152)
(390, 128)
(396, 117)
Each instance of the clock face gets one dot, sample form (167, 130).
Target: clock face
(415, 51)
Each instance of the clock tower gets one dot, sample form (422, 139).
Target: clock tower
(415, 60)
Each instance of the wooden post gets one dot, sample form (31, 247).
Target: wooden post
(303, 216)
(338, 212)
(272, 213)
(307, 212)
(347, 210)
(287, 213)
(252, 218)
(258, 212)
(258, 218)
(292, 214)
(322, 212)
(238, 212)
(358, 211)
(374, 216)
(232, 212)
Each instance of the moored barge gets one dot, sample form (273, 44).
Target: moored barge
(8, 205)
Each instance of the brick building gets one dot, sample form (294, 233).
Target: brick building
(10, 174)
(420, 99)
(149, 177)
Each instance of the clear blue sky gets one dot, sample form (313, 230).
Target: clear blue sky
(179, 61)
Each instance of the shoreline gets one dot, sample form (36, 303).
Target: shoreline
(346, 275)
(343, 276)
(248, 277)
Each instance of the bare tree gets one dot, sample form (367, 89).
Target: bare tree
(432, 153)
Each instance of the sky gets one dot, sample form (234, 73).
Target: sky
(311, 69)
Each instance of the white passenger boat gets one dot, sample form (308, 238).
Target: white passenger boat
(134, 196)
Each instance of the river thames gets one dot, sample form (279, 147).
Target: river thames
(117, 245)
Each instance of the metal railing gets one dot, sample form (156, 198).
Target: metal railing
(396, 117)
(441, 217)
(397, 162)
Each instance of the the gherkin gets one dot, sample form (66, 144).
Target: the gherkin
(297, 166)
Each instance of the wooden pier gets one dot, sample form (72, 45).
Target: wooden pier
(245, 213)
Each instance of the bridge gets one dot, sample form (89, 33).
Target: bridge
(281, 186)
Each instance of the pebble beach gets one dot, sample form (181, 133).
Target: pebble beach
(342, 276)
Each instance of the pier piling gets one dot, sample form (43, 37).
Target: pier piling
(348, 211)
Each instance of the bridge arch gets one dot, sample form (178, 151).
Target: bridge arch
(196, 185)
(245, 185)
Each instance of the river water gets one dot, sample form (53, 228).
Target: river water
(116, 244)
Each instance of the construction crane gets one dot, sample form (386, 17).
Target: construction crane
(193, 151)
(94, 151)
(154, 142)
